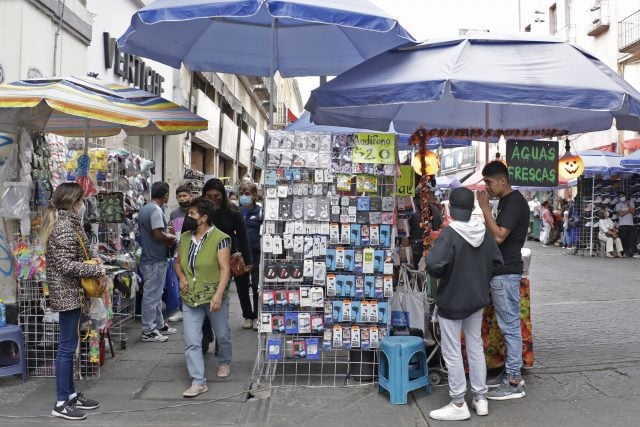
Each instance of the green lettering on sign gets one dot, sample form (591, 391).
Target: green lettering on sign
(532, 163)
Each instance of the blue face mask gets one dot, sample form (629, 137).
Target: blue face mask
(245, 200)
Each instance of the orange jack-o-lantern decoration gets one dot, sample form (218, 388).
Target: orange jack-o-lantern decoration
(570, 166)
(431, 160)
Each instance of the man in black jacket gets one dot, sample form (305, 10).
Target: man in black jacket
(464, 258)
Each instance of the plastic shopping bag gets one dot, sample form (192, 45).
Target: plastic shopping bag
(171, 293)
(409, 305)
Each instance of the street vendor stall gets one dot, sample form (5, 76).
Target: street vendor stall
(115, 180)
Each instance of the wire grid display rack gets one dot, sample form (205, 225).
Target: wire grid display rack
(595, 195)
(327, 273)
(41, 332)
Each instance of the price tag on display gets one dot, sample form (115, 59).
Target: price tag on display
(376, 148)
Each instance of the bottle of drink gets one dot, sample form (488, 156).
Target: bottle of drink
(3, 314)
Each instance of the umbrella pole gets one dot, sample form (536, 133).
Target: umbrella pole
(273, 71)
(86, 137)
(486, 130)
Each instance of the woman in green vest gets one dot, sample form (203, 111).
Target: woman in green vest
(202, 266)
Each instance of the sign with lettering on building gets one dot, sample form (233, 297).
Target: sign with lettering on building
(460, 158)
(378, 148)
(532, 163)
(130, 67)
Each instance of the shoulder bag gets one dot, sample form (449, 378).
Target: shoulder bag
(91, 285)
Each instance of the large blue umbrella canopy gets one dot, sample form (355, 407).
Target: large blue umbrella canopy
(632, 160)
(520, 86)
(259, 37)
(606, 163)
(305, 124)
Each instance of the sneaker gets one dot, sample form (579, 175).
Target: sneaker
(248, 324)
(451, 412)
(224, 370)
(606, 201)
(480, 406)
(499, 379)
(167, 330)
(255, 324)
(68, 412)
(154, 336)
(175, 317)
(506, 391)
(195, 390)
(82, 402)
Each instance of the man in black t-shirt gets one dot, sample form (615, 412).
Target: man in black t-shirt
(510, 231)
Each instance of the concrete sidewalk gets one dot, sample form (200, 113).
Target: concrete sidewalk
(587, 372)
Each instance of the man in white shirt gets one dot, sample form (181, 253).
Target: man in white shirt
(625, 210)
(608, 234)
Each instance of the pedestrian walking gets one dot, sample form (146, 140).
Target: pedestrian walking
(155, 242)
(202, 266)
(65, 240)
(252, 214)
(547, 223)
(464, 257)
(509, 229)
(228, 219)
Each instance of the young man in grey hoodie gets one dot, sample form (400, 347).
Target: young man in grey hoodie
(463, 257)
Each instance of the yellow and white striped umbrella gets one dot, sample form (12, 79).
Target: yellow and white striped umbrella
(87, 107)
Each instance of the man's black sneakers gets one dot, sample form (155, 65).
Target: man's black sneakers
(68, 412)
(81, 402)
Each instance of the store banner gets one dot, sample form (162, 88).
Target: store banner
(406, 183)
(229, 143)
(377, 148)
(532, 163)
(244, 156)
(208, 110)
(456, 159)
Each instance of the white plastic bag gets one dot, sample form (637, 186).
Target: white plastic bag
(98, 313)
(409, 305)
(15, 199)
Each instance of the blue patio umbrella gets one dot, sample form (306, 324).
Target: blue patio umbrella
(260, 37)
(605, 163)
(632, 161)
(481, 86)
(304, 123)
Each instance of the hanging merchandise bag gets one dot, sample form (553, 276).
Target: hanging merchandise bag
(171, 288)
(409, 305)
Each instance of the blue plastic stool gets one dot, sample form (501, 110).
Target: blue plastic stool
(14, 333)
(398, 372)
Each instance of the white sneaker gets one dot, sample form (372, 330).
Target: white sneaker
(248, 324)
(451, 412)
(480, 406)
(168, 330)
(175, 317)
(154, 336)
(255, 324)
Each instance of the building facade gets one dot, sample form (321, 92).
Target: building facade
(608, 29)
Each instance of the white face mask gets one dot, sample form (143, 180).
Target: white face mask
(623, 199)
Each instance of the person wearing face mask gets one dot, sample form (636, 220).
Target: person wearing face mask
(229, 220)
(608, 234)
(233, 198)
(63, 237)
(155, 242)
(202, 266)
(625, 210)
(252, 214)
(176, 217)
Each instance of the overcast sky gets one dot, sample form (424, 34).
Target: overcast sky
(432, 18)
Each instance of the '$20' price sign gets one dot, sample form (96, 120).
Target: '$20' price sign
(377, 148)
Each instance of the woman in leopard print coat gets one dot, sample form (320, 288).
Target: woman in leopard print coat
(61, 234)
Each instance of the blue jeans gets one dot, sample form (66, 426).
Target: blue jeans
(192, 319)
(69, 323)
(154, 277)
(505, 295)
